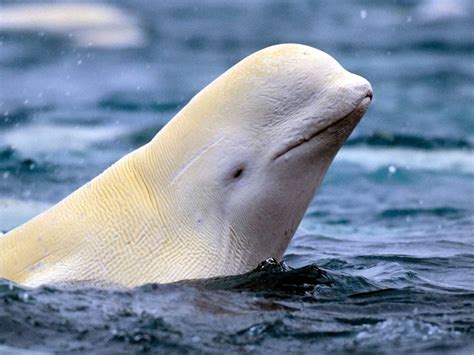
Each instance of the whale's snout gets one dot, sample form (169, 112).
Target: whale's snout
(369, 94)
(368, 90)
(360, 87)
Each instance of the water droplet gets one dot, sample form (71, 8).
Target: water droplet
(363, 14)
(392, 169)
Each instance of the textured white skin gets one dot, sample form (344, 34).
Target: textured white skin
(173, 209)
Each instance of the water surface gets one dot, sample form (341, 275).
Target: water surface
(392, 225)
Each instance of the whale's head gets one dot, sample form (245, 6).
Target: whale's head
(220, 188)
(253, 147)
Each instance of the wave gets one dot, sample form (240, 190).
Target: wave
(131, 102)
(393, 151)
(413, 212)
(279, 280)
(35, 140)
(86, 25)
(16, 212)
(386, 139)
(451, 160)
(20, 114)
(269, 276)
(11, 162)
(433, 11)
(268, 307)
(405, 331)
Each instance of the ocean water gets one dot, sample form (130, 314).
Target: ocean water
(383, 260)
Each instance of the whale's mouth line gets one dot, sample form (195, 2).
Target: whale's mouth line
(318, 132)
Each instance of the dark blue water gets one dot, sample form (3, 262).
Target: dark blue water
(391, 228)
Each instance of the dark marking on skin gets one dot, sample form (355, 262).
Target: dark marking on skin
(238, 173)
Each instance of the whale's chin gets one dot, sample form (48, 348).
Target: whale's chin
(347, 122)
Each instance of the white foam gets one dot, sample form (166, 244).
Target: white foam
(439, 10)
(87, 24)
(8, 350)
(37, 140)
(399, 331)
(412, 159)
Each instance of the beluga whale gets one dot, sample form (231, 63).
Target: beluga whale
(222, 187)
